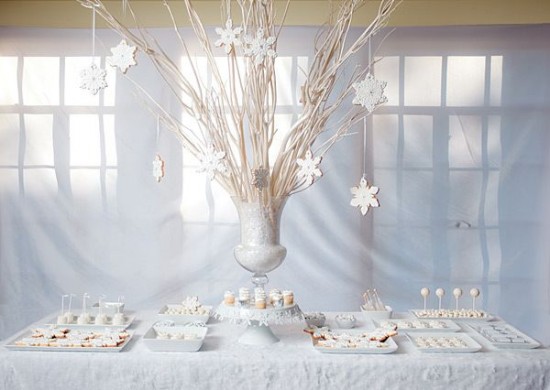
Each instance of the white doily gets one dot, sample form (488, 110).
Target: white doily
(245, 315)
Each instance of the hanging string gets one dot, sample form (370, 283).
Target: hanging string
(370, 56)
(93, 34)
(364, 147)
(124, 6)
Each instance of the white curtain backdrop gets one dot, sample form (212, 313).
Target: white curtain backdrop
(459, 152)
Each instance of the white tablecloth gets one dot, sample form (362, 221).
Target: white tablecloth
(292, 363)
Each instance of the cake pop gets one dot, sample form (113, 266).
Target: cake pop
(425, 292)
(440, 293)
(457, 292)
(474, 293)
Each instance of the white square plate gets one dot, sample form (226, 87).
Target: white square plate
(416, 325)
(443, 339)
(175, 345)
(504, 336)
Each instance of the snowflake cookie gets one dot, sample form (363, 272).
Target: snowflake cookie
(259, 47)
(369, 92)
(123, 56)
(364, 196)
(211, 162)
(228, 36)
(93, 79)
(309, 168)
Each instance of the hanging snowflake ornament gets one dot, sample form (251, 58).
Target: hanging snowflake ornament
(228, 36)
(370, 92)
(93, 79)
(158, 168)
(309, 168)
(123, 56)
(259, 47)
(364, 196)
(211, 162)
(260, 178)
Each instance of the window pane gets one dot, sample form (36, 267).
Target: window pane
(9, 139)
(84, 140)
(418, 133)
(41, 81)
(387, 69)
(465, 141)
(39, 139)
(8, 81)
(466, 81)
(423, 81)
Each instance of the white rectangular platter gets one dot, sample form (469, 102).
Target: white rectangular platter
(365, 347)
(416, 325)
(182, 318)
(11, 345)
(504, 336)
(173, 341)
(433, 314)
(443, 342)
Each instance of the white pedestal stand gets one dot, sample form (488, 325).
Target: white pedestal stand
(258, 331)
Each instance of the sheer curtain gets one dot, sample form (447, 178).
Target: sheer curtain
(459, 152)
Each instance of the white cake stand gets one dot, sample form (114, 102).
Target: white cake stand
(258, 331)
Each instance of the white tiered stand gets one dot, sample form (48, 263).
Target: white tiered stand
(258, 331)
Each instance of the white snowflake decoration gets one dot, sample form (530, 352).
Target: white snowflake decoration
(93, 79)
(158, 168)
(308, 168)
(211, 162)
(228, 36)
(260, 178)
(364, 196)
(370, 92)
(123, 56)
(259, 47)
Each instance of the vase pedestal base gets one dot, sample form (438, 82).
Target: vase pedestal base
(258, 334)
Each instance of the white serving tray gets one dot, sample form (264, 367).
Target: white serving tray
(471, 344)
(415, 325)
(518, 340)
(170, 345)
(13, 347)
(487, 317)
(391, 347)
(129, 319)
(182, 318)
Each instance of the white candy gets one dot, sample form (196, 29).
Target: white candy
(440, 292)
(457, 292)
(425, 292)
(474, 293)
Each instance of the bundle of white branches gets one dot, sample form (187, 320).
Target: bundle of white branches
(236, 119)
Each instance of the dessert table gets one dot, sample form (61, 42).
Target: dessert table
(292, 363)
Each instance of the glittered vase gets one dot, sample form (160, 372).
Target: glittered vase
(260, 251)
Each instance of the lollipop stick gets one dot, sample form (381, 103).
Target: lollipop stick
(439, 303)
(425, 304)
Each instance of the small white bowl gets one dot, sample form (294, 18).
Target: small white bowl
(377, 314)
(315, 319)
(345, 321)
